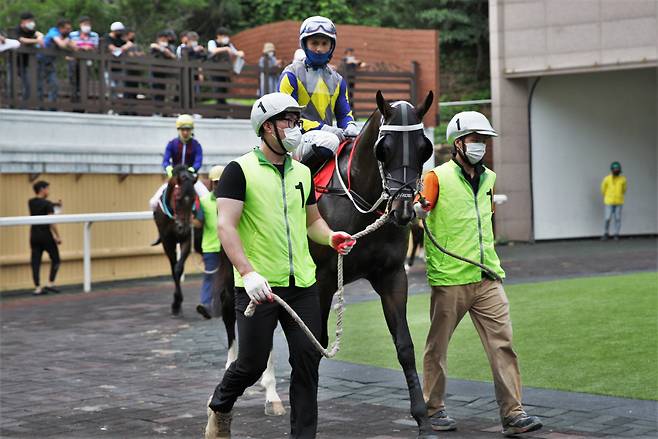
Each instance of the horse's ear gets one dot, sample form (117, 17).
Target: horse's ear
(384, 107)
(423, 108)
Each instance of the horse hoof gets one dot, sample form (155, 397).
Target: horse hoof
(274, 408)
(175, 309)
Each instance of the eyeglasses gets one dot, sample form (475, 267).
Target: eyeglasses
(292, 122)
(316, 26)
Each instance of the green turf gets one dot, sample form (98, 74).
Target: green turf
(594, 335)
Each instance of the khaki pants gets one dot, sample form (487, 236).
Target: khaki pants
(489, 309)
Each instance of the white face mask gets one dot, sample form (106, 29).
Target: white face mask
(85, 29)
(225, 40)
(194, 43)
(293, 138)
(30, 25)
(475, 152)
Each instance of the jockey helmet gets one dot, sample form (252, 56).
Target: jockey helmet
(185, 121)
(215, 172)
(317, 25)
(270, 106)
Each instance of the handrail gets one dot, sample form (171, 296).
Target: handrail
(87, 219)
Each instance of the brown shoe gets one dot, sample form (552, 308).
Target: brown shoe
(219, 425)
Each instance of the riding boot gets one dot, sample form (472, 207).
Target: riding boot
(316, 157)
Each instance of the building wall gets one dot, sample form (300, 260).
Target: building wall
(580, 124)
(530, 39)
(373, 45)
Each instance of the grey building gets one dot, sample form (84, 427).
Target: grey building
(574, 88)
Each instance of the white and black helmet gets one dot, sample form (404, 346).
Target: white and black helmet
(468, 122)
(270, 106)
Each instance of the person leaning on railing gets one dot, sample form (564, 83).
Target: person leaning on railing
(56, 38)
(28, 35)
(162, 48)
(221, 50)
(82, 40)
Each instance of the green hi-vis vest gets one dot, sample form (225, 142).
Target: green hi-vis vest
(272, 227)
(461, 223)
(210, 241)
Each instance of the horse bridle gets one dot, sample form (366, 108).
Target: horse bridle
(387, 194)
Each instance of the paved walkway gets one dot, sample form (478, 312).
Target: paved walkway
(114, 364)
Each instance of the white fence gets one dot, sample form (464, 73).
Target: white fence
(87, 219)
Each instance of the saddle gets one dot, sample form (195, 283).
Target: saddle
(323, 179)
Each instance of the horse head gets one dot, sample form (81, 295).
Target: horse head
(401, 149)
(182, 197)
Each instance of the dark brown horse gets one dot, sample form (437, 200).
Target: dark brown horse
(173, 216)
(397, 155)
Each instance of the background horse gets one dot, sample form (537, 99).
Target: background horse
(173, 216)
(379, 257)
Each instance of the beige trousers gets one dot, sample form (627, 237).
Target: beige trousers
(488, 306)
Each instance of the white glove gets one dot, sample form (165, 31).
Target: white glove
(257, 287)
(351, 130)
(420, 210)
(334, 130)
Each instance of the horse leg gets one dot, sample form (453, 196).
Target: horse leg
(178, 272)
(392, 289)
(170, 250)
(273, 404)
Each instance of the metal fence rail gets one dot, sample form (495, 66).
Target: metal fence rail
(87, 219)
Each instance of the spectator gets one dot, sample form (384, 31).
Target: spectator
(613, 188)
(117, 45)
(133, 50)
(350, 66)
(28, 36)
(56, 38)
(83, 40)
(162, 48)
(268, 74)
(43, 238)
(191, 47)
(221, 50)
(210, 245)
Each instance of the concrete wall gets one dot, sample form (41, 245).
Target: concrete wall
(530, 39)
(378, 47)
(542, 36)
(44, 141)
(580, 124)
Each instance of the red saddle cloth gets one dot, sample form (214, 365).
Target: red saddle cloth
(323, 177)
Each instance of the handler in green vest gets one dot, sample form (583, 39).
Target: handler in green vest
(457, 200)
(210, 245)
(267, 212)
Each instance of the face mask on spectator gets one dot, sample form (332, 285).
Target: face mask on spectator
(162, 43)
(194, 43)
(85, 28)
(30, 25)
(225, 40)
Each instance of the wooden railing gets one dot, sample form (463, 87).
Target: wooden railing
(99, 82)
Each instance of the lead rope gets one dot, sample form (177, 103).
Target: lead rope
(339, 308)
(461, 258)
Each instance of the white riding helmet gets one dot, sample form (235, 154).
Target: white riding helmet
(317, 25)
(468, 122)
(272, 105)
(184, 121)
(215, 172)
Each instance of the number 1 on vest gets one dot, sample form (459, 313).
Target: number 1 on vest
(300, 186)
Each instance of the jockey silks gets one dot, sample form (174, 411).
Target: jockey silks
(272, 227)
(189, 154)
(461, 222)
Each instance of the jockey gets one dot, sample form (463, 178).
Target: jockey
(182, 150)
(322, 91)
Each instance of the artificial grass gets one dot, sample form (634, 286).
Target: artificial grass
(593, 335)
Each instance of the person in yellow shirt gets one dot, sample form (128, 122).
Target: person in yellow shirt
(613, 188)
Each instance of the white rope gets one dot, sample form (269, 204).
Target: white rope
(382, 197)
(340, 300)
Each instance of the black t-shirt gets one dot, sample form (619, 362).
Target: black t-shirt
(233, 184)
(40, 206)
(24, 33)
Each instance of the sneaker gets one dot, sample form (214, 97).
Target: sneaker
(442, 422)
(204, 311)
(604, 238)
(521, 424)
(38, 291)
(52, 289)
(219, 425)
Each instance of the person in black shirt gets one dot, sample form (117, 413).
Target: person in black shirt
(28, 36)
(43, 238)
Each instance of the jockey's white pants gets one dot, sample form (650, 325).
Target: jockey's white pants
(323, 139)
(199, 188)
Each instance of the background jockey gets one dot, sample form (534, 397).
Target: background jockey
(182, 150)
(322, 92)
